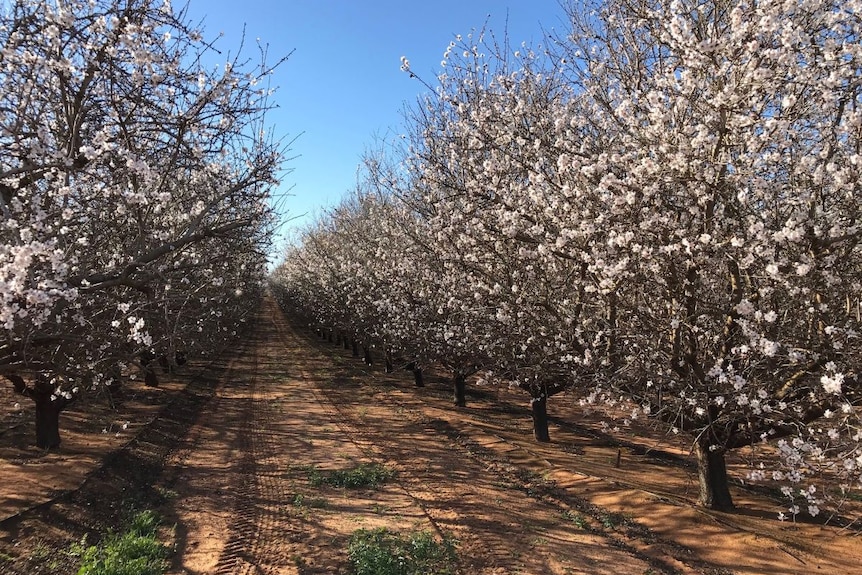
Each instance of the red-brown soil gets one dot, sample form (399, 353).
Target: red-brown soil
(226, 462)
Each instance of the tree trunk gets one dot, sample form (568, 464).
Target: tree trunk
(539, 408)
(355, 348)
(150, 377)
(387, 359)
(417, 373)
(114, 383)
(47, 411)
(460, 390)
(712, 477)
(366, 355)
(47, 421)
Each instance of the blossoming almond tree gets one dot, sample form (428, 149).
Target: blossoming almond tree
(668, 214)
(130, 171)
(728, 201)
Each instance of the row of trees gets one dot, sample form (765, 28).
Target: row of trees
(135, 173)
(659, 209)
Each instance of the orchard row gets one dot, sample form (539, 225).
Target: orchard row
(134, 195)
(657, 210)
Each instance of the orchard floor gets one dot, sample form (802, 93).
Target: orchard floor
(226, 462)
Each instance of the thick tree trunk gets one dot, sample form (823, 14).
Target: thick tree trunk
(539, 408)
(47, 411)
(345, 341)
(366, 355)
(417, 373)
(114, 383)
(47, 422)
(712, 477)
(355, 349)
(460, 390)
(150, 377)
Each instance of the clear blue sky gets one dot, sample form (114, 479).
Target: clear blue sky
(342, 87)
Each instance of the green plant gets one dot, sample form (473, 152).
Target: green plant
(611, 520)
(165, 493)
(300, 500)
(364, 475)
(576, 518)
(41, 551)
(137, 551)
(383, 552)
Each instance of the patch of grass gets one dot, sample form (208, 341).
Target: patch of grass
(300, 500)
(576, 518)
(166, 494)
(137, 551)
(363, 475)
(612, 520)
(383, 552)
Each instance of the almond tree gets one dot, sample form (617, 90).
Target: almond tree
(486, 152)
(726, 191)
(131, 175)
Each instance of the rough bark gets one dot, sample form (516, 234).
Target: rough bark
(417, 373)
(150, 377)
(460, 390)
(47, 421)
(48, 408)
(539, 409)
(712, 477)
(114, 383)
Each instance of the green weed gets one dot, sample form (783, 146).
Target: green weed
(383, 552)
(364, 475)
(576, 518)
(137, 551)
(300, 500)
(612, 520)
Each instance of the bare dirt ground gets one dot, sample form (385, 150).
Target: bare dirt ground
(226, 462)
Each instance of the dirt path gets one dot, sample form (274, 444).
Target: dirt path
(293, 403)
(244, 503)
(231, 461)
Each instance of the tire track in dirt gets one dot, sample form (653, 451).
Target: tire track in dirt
(230, 500)
(242, 474)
